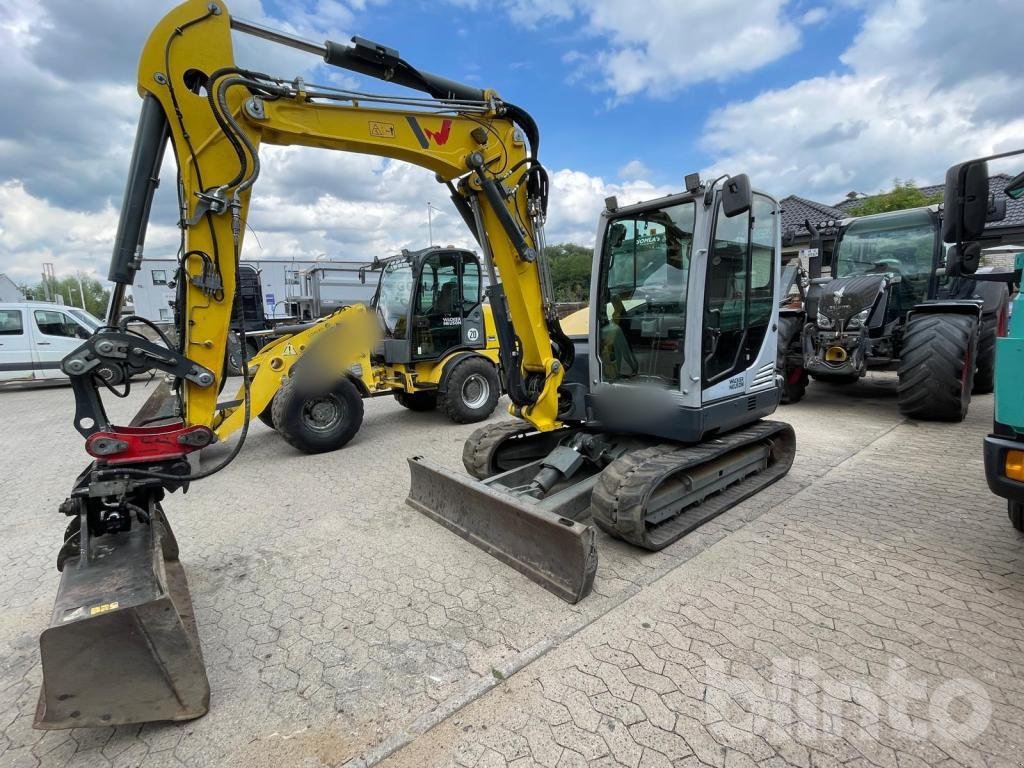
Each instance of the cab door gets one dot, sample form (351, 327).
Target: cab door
(57, 334)
(438, 311)
(474, 332)
(16, 357)
(739, 301)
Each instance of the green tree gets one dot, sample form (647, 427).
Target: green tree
(570, 270)
(71, 287)
(904, 194)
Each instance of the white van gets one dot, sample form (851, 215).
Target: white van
(35, 337)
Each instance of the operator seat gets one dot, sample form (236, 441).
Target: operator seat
(448, 299)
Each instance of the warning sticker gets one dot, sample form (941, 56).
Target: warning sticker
(103, 608)
(289, 350)
(382, 130)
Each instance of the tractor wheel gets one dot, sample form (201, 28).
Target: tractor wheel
(1016, 511)
(985, 375)
(936, 370)
(794, 384)
(836, 379)
(470, 391)
(417, 401)
(315, 422)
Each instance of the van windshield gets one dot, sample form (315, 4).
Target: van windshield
(87, 319)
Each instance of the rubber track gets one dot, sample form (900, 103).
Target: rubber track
(483, 443)
(619, 501)
(931, 366)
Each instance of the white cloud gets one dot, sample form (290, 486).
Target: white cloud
(577, 198)
(929, 85)
(33, 231)
(813, 16)
(634, 170)
(665, 45)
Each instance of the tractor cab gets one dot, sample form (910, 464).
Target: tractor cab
(429, 304)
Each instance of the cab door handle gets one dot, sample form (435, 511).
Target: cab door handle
(42, 343)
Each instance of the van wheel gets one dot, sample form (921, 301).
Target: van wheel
(417, 401)
(470, 392)
(316, 422)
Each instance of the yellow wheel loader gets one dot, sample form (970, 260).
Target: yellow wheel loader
(436, 348)
(649, 426)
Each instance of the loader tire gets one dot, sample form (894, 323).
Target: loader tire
(469, 393)
(267, 414)
(233, 358)
(936, 370)
(985, 375)
(317, 422)
(417, 401)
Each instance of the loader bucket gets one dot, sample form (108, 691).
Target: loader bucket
(122, 645)
(554, 551)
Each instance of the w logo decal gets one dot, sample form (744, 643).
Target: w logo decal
(425, 135)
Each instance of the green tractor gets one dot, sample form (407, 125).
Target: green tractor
(895, 302)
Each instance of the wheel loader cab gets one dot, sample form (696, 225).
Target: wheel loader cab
(430, 304)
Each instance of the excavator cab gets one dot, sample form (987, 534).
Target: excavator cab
(430, 303)
(667, 431)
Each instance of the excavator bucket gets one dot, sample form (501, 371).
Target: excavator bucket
(556, 552)
(122, 645)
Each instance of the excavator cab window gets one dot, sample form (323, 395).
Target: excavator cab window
(645, 266)
(739, 289)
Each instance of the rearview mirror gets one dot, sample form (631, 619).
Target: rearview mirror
(736, 195)
(618, 235)
(963, 262)
(965, 202)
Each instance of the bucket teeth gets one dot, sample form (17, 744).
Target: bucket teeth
(554, 551)
(122, 645)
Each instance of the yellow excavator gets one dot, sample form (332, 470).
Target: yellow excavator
(651, 425)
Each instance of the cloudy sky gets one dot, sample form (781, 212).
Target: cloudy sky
(810, 98)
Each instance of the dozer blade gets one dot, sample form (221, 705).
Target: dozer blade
(554, 551)
(122, 645)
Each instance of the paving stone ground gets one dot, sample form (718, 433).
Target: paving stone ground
(867, 608)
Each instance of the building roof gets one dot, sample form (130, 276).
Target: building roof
(797, 210)
(996, 184)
